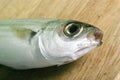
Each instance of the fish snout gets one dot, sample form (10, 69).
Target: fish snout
(98, 34)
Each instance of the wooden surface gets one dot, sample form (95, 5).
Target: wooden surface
(102, 63)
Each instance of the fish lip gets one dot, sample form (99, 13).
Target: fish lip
(82, 49)
(85, 48)
(99, 44)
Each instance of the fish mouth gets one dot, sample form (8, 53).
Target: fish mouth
(100, 43)
(94, 45)
(84, 48)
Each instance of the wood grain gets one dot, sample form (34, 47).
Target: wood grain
(102, 63)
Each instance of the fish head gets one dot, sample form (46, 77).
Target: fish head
(72, 40)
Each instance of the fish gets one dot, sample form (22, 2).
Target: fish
(39, 43)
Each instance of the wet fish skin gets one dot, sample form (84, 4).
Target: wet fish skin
(37, 43)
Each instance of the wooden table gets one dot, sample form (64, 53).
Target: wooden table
(102, 63)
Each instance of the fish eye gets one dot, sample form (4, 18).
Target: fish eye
(73, 29)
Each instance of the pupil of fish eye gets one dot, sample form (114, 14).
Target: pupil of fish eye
(73, 28)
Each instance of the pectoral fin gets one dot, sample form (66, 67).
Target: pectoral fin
(23, 33)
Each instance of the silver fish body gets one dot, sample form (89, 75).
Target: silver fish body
(37, 43)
